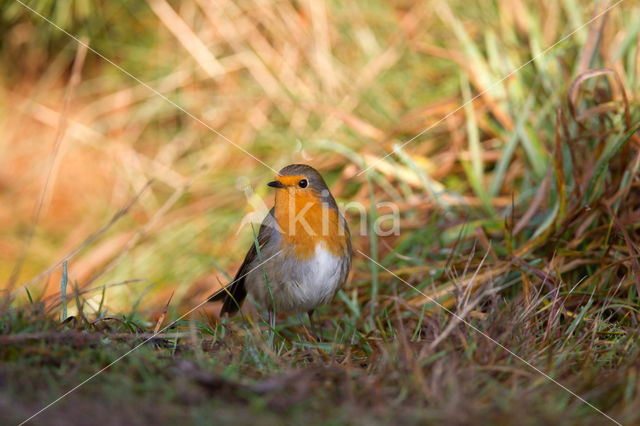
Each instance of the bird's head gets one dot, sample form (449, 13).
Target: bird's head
(305, 209)
(301, 182)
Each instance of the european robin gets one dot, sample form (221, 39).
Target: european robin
(309, 241)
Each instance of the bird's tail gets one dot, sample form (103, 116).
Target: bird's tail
(232, 296)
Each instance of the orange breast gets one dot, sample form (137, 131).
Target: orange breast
(304, 221)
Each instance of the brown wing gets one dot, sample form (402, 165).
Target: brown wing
(235, 292)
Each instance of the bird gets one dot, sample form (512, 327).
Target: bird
(302, 254)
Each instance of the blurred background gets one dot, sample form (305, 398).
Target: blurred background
(115, 162)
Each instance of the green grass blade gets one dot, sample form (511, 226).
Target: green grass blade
(63, 291)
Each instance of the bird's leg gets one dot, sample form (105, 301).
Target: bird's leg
(272, 327)
(314, 331)
(272, 320)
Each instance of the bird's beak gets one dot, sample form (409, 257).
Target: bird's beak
(276, 184)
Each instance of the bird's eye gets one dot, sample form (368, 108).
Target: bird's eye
(303, 183)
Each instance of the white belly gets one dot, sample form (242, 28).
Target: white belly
(297, 286)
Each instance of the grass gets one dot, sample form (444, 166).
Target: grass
(519, 211)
